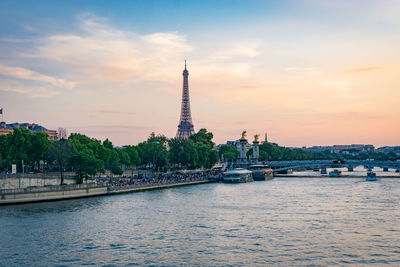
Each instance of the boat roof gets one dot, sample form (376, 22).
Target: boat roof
(238, 171)
(259, 166)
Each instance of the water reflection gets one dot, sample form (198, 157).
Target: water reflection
(286, 221)
(38, 209)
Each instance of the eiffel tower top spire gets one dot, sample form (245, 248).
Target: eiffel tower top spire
(185, 127)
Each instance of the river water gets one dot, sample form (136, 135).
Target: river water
(286, 221)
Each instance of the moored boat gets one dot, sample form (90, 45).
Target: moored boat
(238, 175)
(261, 172)
(371, 176)
(335, 173)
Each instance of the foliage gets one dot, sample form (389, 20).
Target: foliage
(271, 152)
(204, 137)
(183, 152)
(23, 146)
(228, 153)
(60, 152)
(87, 156)
(154, 151)
(84, 158)
(379, 156)
(205, 148)
(133, 154)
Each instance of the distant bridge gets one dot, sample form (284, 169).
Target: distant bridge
(280, 166)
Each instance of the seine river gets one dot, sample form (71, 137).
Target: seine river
(286, 221)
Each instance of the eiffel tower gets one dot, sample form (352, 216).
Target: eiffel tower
(185, 127)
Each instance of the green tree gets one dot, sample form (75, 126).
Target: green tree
(183, 152)
(84, 158)
(4, 150)
(207, 155)
(154, 151)
(60, 152)
(114, 163)
(20, 145)
(133, 154)
(124, 157)
(228, 153)
(202, 136)
(115, 166)
(39, 146)
(107, 144)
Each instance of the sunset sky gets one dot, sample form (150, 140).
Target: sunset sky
(305, 72)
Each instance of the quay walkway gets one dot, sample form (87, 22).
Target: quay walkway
(53, 193)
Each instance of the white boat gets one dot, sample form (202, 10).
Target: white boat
(238, 175)
(371, 176)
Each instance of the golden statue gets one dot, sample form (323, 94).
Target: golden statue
(244, 134)
(256, 137)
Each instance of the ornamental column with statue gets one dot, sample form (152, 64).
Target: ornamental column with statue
(256, 149)
(242, 148)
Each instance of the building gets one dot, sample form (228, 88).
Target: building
(33, 127)
(353, 149)
(185, 127)
(236, 144)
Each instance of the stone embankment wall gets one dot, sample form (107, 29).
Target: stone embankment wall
(28, 195)
(51, 193)
(14, 181)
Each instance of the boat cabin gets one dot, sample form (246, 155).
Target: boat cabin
(238, 176)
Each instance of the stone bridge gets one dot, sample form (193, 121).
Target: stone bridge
(282, 166)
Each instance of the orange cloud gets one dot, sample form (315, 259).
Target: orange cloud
(371, 68)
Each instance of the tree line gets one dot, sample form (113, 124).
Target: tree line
(87, 156)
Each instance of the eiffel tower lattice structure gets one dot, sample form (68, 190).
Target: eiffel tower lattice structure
(185, 127)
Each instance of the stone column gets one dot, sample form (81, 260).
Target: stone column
(256, 151)
(242, 150)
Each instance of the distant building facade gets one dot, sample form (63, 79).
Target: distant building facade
(353, 149)
(33, 127)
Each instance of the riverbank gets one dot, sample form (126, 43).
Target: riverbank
(326, 176)
(54, 193)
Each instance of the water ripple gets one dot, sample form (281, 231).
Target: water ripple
(286, 221)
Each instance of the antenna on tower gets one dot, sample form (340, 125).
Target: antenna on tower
(185, 64)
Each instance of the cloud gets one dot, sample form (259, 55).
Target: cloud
(117, 112)
(365, 69)
(101, 53)
(98, 56)
(33, 91)
(237, 50)
(33, 83)
(26, 74)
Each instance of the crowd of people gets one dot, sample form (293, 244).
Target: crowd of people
(160, 179)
